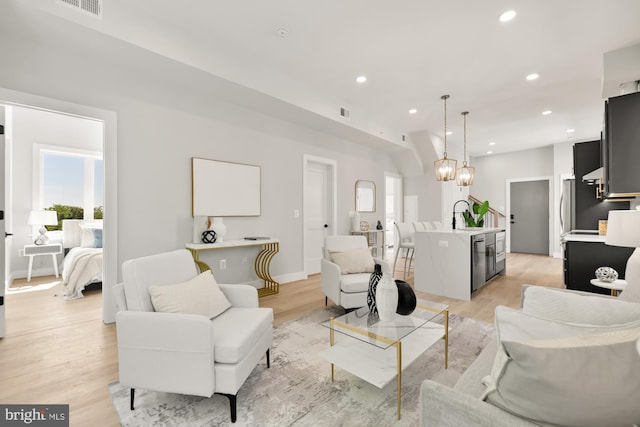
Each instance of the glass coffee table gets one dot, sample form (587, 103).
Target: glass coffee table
(378, 351)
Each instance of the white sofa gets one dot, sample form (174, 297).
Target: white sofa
(462, 405)
(348, 290)
(187, 353)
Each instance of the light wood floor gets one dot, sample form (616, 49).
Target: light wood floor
(58, 351)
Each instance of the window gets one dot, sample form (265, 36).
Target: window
(70, 183)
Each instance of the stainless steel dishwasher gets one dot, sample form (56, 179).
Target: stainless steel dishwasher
(478, 262)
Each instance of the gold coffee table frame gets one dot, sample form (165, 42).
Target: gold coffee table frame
(397, 343)
(261, 265)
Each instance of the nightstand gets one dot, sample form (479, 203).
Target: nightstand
(52, 249)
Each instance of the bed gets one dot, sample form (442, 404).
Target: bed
(82, 265)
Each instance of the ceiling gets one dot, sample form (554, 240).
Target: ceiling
(411, 51)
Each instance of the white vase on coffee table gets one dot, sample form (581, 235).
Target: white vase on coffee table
(387, 298)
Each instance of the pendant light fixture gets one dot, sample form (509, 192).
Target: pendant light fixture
(445, 168)
(465, 174)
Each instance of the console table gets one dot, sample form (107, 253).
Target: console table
(270, 247)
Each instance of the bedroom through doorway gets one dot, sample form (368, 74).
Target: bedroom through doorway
(54, 163)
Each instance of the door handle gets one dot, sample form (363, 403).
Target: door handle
(326, 226)
(7, 234)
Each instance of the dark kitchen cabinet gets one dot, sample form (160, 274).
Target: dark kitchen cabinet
(589, 209)
(582, 259)
(621, 149)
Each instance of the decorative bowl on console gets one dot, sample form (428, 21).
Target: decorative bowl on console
(606, 274)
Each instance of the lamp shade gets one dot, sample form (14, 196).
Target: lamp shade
(623, 229)
(43, 218)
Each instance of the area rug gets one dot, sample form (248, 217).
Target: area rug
(297, 389)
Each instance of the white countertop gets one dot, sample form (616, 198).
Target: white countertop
(468, 231)
(583, 237)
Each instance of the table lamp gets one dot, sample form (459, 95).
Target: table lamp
(623, 229)
(42, 218)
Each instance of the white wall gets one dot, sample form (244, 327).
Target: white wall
(422, 183)
(29, 127)
(493, 171)
(167, 113)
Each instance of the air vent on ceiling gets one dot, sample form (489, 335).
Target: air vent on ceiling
(90, 7)
(345, 113)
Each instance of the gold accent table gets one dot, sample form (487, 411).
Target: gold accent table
(270, 248)
(378, 351)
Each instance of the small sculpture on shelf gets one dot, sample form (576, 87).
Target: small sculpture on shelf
(606, 274)
(379, 225)
(364, 226)
(208, 236)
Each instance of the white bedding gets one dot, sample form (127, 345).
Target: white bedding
(81, 267)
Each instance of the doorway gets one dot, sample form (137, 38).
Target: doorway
(319, 208)
(528, 203)
(109, 149)
(393, 209)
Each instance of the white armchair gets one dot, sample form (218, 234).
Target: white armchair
(348, 290)
(187, 353)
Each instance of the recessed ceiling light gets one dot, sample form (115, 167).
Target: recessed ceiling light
(489, 152)
(413, 111)
(533, 76)
(571, 130)
(492, 143)
(449, 132)
(361, 79)
(282, 31)
(507, 16)
(546, 112)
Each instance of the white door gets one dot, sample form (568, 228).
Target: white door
(315, 215)
(3, 285)
(393, 208)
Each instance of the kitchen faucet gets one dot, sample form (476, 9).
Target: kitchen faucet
(454, 211)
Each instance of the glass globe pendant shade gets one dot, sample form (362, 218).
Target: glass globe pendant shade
(465, 175)
(445, 168)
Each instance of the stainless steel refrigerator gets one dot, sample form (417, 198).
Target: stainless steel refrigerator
(567, 206)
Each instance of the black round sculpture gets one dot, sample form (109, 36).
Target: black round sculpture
(208, 236)
(406, 298)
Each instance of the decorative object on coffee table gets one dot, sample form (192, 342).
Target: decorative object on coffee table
(606, 274)
(364, 226)
(387, 298)
(208, 236)
(406, 298)
(373, 284)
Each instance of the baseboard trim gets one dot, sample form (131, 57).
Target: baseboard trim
(283, 278)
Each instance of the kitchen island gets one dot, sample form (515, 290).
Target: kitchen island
(454, 263)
